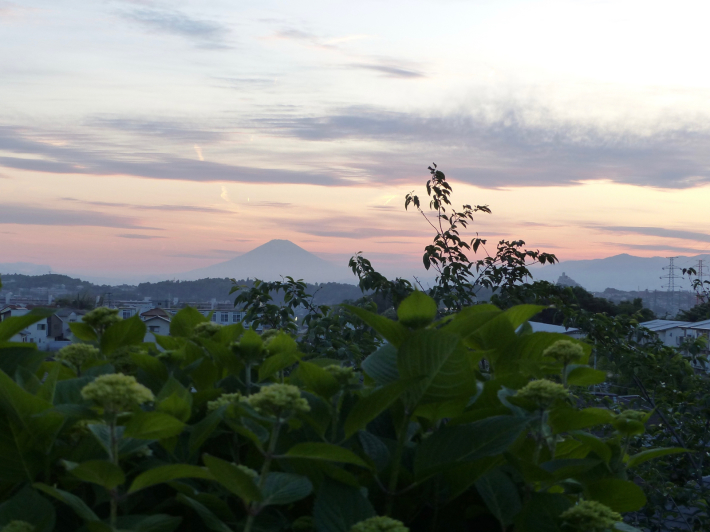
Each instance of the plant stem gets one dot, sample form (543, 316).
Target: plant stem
(397, 463)
(114, 459)
(254, 508)
(247, 379)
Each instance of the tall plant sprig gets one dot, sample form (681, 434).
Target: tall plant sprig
(459, 278)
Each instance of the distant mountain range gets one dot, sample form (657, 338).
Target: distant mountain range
(273, 260)
(623, 272)
(25, 268)
(279, 258)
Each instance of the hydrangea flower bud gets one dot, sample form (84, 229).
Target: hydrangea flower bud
(564, 351)
(18, 526)
(122, 361)
(116, 392)
(75, 355)
(207, 329)
(590, 516)
(543, 393)
(101, 318)
(342, 374)
(225, 399)
(630, 422)
(379, 524)
(280, 400)
(248, 471)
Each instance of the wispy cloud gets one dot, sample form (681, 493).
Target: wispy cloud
(169, 208)
(97, 160)
(204, 33)
(654, 231)
(23, 214)
(655, 247)
(392, 68)
(390, 71)
(139, 237)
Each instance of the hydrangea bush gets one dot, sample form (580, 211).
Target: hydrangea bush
(468, 422)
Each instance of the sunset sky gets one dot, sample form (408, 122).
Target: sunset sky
(155, 137)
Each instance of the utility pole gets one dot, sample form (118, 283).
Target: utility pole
(670, 278)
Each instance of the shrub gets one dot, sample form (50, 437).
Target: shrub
(225, 431)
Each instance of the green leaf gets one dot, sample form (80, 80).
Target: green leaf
(541, 513)
(317, 379)
(462, 443)
(149, 523)
(324, 451)
(176, 406)
(14, 355)
(369, 407)
(417, 310)
(203, 430)
(175, 399)
(619, 495)
(74, 502)
(438, 363)
(183, 323)
(375, 449)
(251, 346)
(210, 520)
(153, 426)
(83, 331)
(564, 419)
(392, 331)
(166, 473)
(381, 366)
(338, 507)
(29, 431)
(9, 327)
(123, 333)
(594, 443)
(644, 456)
(277, 363)
(29, 506)
(285, 488)
(470, 319)
(233, 478)
(99, 472)
(584, 376)
(500, 495)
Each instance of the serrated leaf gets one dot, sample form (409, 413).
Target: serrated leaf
(285, 488)
(99, 472)
(153, 426)
(123, 333)
(74, 502)
(166, 473)
(392, 331)
(324, 451)
(619, 495)
(369, 407)
(233, 478)
(463, 443)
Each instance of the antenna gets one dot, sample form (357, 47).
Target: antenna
(670, 278)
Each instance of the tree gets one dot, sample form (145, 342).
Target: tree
(459, 278)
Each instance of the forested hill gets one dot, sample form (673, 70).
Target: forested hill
(192, 291)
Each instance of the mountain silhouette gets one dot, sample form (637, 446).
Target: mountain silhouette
(271, 261)
(623, 272)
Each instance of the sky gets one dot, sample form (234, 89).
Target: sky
(153, 137)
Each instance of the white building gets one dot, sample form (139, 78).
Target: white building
(35, 333)
(670, 332)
